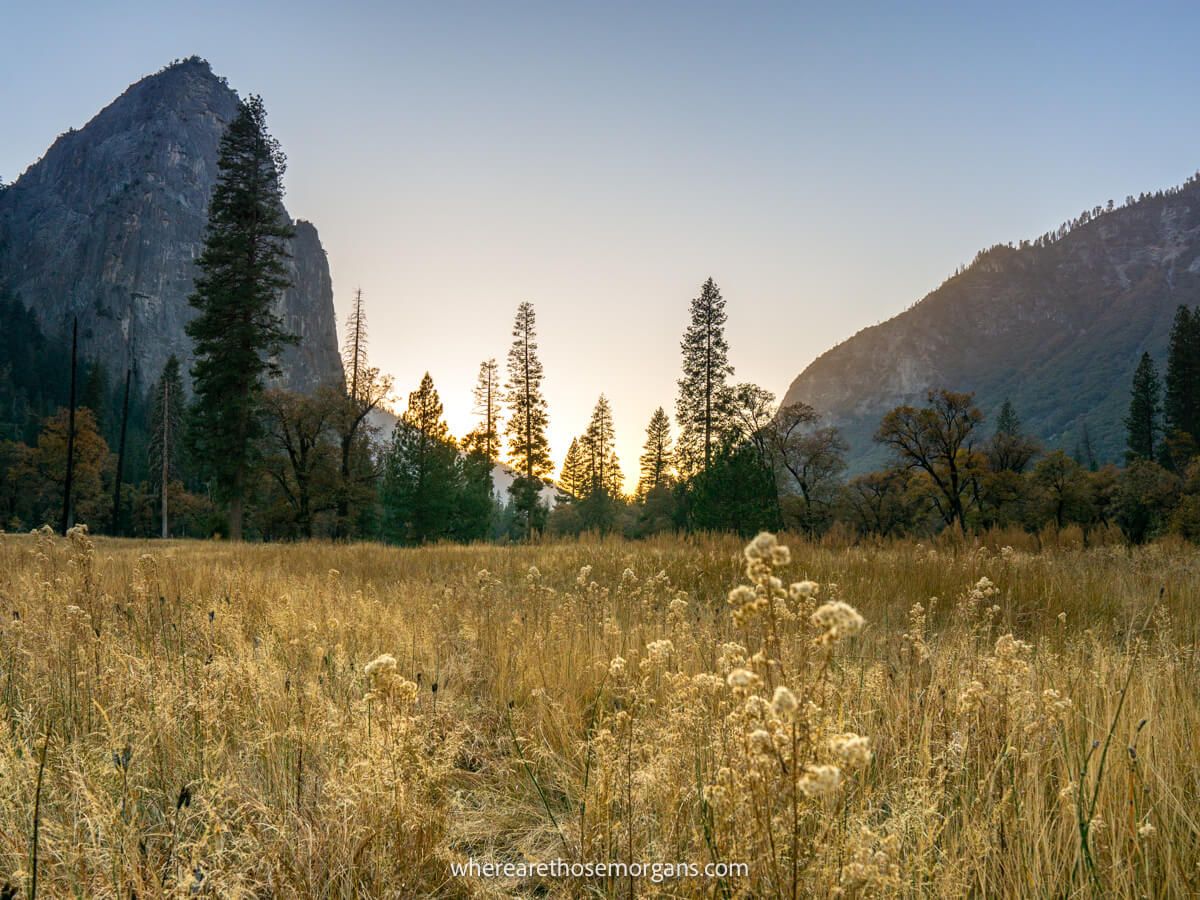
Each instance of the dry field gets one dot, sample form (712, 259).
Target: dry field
(200, 719)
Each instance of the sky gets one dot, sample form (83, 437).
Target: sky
(827, 164)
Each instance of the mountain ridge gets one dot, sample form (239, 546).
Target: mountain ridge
(1056, 325)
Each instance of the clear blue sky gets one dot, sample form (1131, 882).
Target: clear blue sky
(827, 167)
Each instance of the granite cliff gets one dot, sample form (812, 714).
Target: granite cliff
(107, 225)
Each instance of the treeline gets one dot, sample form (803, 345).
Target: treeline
(244, 458)
(742, 463)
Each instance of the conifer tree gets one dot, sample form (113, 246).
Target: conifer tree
(354, 348)
(601, 494)
(1010, 450)
(1007, 422)
(736, 493)
(702, 389)
(573, 480)
(485, 438)
(1145, 403)
(655, 462)
(366, 390)
(475, 504)
(238, 334)
(421, 471)
(1181, 405)
(598, 446)
(529, 451)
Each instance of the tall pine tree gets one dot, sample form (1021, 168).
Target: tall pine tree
(601, 496)
(699, 409)
(1181, 406)
(366, 390)
(1145, 404)
(599, 450)
(655, 462)
(529, 450)
(485, 438)
(238, 334)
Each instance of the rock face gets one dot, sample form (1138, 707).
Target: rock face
(1056, 326)
(108, 224)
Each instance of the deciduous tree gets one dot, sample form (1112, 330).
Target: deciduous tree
(938, 440)
(301, 457)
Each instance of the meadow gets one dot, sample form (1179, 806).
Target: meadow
(992, 718)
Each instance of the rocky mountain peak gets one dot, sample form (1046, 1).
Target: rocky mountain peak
(108, 224)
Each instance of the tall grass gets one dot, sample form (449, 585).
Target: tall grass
(320, 720)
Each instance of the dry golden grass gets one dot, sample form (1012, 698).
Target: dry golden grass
(211, 725)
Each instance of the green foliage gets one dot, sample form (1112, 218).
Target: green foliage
(300, 455)
(527, 513)
(1181, 406)
(475, 512)
(32, 377)
(654, 466)
(573, 479)
(655, 512)
(529, 450)
(735, 493)
(701, 402)
(1010, 449)
(1185, 520)
(1142, 424)
(238, 334)
(366, 390)
(1146, 495)
(598, 447)
(430, 490)
(420, 472)
(1064, 488)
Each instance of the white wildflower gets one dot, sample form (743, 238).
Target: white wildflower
(741, 679)
(820, 781)
(838, 619)
(784, 703)
(761, 741)
(852, 749)
(803, 590)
